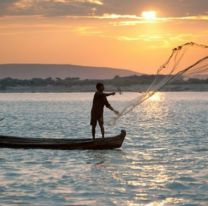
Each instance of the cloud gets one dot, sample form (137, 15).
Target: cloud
(49, 7)
(52, 8)
(130, 20)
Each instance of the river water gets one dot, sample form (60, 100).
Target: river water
(163, 161)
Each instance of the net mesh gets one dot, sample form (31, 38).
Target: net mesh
(186, 61)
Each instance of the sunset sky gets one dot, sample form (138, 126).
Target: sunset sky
(137, 35)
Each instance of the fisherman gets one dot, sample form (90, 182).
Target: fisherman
(99, 101)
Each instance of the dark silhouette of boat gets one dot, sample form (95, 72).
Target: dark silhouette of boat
(62, 144)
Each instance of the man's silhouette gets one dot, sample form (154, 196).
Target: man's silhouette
(99, 101)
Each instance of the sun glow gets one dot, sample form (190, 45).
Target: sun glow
(149, 15)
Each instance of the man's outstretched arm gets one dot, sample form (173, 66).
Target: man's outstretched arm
(109, 106)
(109, 94)
(115, 111)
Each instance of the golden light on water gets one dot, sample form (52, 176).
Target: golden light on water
(149, 15)
(157, 97)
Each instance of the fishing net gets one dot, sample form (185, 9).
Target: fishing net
(187, 61)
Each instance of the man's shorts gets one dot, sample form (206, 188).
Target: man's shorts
(94, 120)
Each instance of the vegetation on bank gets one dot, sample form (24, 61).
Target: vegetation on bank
(69, 82)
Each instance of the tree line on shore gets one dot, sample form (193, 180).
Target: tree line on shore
(69, 81)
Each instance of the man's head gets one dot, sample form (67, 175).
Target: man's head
(100, 87)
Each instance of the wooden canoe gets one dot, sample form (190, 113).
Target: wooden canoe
(62, 144)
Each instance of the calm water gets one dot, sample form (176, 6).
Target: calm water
(163, 161)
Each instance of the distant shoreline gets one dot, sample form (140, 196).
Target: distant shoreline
(91, 88)
(130, 83)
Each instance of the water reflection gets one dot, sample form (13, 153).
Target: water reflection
(160, 163)
(157, 97)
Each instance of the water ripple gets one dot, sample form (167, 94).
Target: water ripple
(163, 160)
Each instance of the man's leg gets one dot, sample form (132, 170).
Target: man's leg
(93, 123)
(101, 127)
(93, 131)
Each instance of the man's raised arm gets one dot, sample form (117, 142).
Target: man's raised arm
(109, 94)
